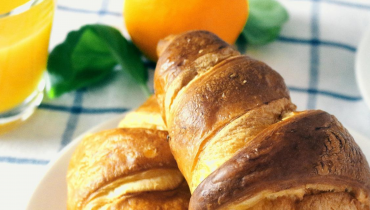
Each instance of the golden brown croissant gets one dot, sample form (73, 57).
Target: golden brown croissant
(127, 168)
(238, 140)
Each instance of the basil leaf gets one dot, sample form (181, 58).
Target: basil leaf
(265, 20)
(91, 52)
(88, 56)
(125, 53)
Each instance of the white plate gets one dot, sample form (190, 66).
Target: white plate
(51, 192)
(362, 67)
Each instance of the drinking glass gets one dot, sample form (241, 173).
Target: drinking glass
(25, 27)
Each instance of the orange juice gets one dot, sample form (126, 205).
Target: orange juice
(8, 5)
(24, 40)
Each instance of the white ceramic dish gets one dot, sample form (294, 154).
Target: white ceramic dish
(51, 192)
(362, 66)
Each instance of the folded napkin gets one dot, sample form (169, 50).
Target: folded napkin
(315, 53)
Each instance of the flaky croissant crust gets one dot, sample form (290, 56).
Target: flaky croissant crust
(202, 84)
(102, 159)
(127, 168)
(305, 154)
(220, 106)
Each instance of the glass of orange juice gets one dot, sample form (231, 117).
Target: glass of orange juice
(25, 27)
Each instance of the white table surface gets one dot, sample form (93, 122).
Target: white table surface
(315, 53)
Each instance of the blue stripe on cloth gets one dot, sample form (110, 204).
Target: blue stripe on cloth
(73, 119)
(77, 103)
(326, 93)
(100, 12)
(30, 161)
(82, 110)
(314, 56)
(347, 4)
(341, 3)
(105, 12)
(104, 7)
(316, 42)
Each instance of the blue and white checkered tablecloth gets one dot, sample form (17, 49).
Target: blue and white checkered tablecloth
(315, 53)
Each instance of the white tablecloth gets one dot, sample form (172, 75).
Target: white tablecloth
(315, 53)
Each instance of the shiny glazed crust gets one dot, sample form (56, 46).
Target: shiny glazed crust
(148, 115)
(126, 168)
(238, 140)
(223, 87)
(309, 152)
(181, 61)
(163, 200)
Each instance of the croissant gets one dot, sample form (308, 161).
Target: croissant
(148, 115)
(130, 167)
(238, 139)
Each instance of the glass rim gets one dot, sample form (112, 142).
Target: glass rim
(21, 8)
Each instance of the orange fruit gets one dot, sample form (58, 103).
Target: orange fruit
(148, 21)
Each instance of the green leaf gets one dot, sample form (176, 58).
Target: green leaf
(91, 52)
(89, 55)
(125, 53)
(265, 20)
